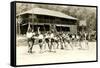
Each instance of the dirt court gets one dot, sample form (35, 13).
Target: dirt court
(66, 55)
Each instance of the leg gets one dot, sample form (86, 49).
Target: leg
(71, 45)
(48, 45)
(40, 44)
(57, 45)
(65, 44)
(40, 47)
(47, 42)
(44, 43)
(62, 45)
(80, 45)
(28, 42)
(86, 43)
(30, 46)
(54, 50)
(51, 44)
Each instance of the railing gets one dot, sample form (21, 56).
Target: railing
(51, 21)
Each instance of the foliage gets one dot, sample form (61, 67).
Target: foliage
(82, 13)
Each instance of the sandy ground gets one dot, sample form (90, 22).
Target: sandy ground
(67, 55)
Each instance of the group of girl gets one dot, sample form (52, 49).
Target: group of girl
(55, 40)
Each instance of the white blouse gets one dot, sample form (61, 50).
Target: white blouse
(29, 34)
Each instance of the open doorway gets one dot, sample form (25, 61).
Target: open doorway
(62, 28)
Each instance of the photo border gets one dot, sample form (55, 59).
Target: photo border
(13, 34)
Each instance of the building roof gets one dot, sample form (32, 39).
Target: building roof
(42, 11)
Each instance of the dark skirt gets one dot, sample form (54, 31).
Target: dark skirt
(31, 40)
(52, 40)
(40, 40)
(47, 40)
(73, 39)
(68, 41)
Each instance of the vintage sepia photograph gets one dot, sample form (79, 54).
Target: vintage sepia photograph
(54, 33)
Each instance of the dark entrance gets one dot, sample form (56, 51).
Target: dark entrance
(65, 29)
(62, 28)
(41, 28)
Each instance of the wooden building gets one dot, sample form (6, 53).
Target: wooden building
(46, 20)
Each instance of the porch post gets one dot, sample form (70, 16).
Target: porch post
(19, 20)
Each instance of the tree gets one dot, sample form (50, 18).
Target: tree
(81, 13)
